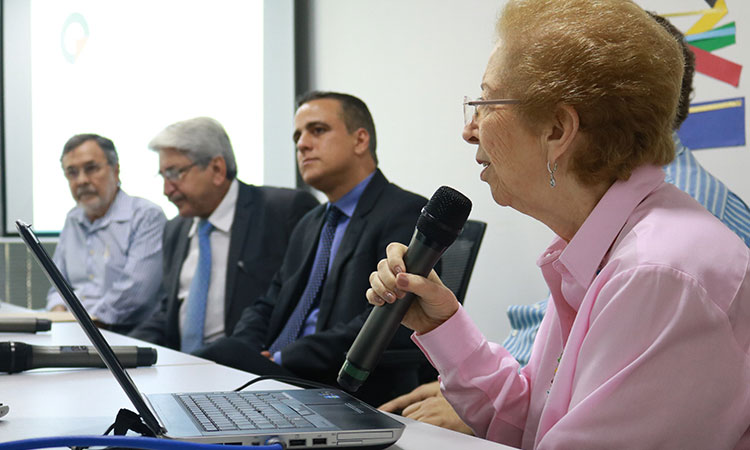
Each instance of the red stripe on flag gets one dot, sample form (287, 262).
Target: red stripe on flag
(716, 67)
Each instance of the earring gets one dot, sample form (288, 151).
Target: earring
(552, 171)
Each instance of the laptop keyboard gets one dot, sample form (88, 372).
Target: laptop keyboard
(250, 411)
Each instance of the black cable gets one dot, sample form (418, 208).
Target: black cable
(121, 441)
(299, 382)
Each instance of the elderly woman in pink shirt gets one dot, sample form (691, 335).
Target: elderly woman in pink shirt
(646, 338)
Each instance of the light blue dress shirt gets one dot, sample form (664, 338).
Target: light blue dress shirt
(686, 173)
(115, 263)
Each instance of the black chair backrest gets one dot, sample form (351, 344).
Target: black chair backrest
(457, 262)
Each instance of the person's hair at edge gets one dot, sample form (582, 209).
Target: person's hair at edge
(608, 59)
(105, 144)
(201, 139)
(687, 77)
(355, 114)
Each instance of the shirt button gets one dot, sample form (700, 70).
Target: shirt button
(91, 276)
(514, 333)
(91, 252)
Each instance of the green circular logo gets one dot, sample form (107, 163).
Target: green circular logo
(75, 34)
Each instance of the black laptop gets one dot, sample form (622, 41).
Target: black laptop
(300, 418)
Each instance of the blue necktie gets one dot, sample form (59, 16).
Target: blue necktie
(317, 275)
(195, 317)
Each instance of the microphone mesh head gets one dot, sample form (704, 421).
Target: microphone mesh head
(444, 215)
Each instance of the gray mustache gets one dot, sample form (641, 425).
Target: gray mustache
(83, 190)
(176, 198)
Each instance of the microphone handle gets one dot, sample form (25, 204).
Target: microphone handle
(24, 325)
(85, 356)
(383, 322)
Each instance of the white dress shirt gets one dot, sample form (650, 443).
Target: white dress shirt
(221, 219)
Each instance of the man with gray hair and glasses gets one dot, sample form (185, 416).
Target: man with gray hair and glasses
(222, 250)
(110, 246)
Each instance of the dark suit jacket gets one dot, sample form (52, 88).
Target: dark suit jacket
(385, 213)
(264, 218)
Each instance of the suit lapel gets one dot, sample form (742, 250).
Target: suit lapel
(182, 245)
(352, 237)
(240, 231)
(181, 250)
(298, 281)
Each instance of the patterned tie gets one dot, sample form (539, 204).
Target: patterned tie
(317, 275)
(195, 317)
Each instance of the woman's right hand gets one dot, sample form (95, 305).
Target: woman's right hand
(434, 304)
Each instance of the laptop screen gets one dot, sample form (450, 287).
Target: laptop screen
(93, 333)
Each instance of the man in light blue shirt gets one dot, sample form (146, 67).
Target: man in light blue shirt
(110, 246)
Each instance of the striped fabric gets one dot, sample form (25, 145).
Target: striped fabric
(686, 173)
(524, 322)
(737, 217)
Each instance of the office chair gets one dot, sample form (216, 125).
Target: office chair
(457, 262)
(456, 266)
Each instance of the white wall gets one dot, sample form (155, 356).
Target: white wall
(412, 62)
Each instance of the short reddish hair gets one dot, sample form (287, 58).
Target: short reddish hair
(608, 59)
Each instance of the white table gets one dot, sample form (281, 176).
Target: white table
(53, 402)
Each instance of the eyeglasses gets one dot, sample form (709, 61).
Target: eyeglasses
(90, 169)
(472, 107)
(175, 174)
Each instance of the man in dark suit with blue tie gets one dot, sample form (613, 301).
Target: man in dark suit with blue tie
(223, 249)
(315, 306)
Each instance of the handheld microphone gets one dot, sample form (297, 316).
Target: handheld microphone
(24, 325)
(18, 356)
(440, 223)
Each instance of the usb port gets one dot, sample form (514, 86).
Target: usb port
(319, 441)
(296, 442)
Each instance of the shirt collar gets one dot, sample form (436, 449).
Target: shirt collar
(349, 201)
(583, 255)
(223, 215)
(678, 147)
